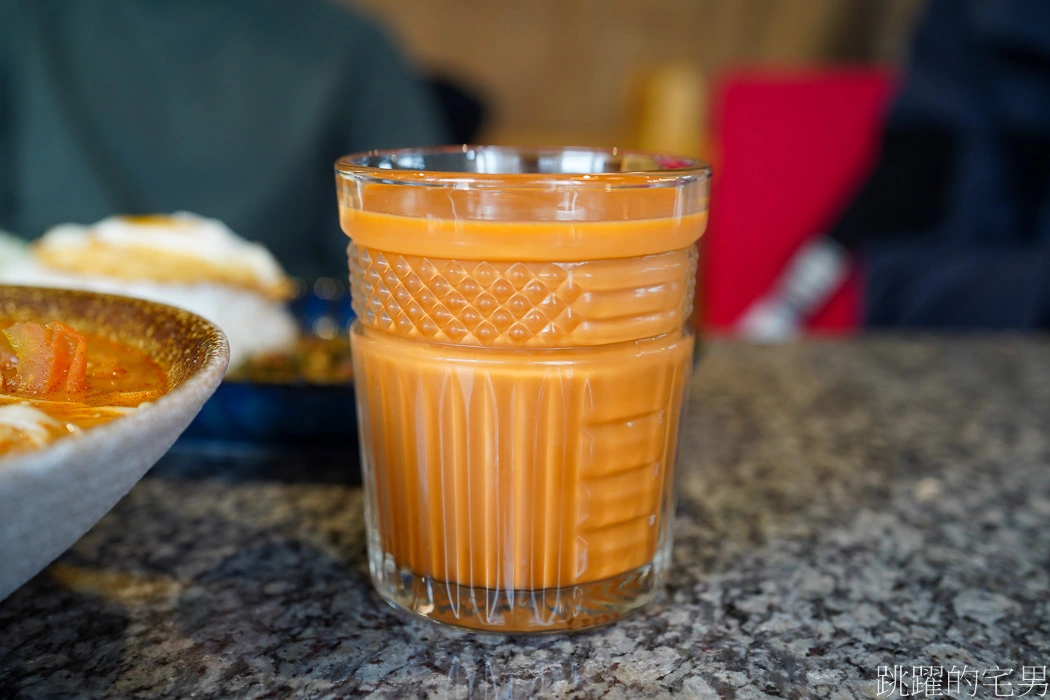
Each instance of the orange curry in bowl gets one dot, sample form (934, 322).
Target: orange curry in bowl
(57, 381)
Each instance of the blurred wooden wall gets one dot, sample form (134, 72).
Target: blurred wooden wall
(570, 70)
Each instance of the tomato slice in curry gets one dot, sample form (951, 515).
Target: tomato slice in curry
(78, 379)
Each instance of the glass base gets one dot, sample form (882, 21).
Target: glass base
(567, 608)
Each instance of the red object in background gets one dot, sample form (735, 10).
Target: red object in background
(792, 149)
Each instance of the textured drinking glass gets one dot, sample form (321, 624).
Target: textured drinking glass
(521, 357)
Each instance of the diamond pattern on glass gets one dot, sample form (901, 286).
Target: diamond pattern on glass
(516, 304)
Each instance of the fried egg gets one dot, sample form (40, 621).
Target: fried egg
(182, 259)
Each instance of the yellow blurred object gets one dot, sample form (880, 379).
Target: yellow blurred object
(673, 111)
(670, 110)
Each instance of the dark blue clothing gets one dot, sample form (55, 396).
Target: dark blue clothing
(234, 109)
(978, 84)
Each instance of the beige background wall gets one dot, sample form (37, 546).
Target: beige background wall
(575, 70)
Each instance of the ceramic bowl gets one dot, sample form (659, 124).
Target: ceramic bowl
(51, 496)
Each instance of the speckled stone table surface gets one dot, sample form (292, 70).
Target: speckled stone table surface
(844, 506)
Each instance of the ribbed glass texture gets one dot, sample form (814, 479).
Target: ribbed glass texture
(520, 380)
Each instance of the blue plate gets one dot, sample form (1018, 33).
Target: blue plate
(298, 415)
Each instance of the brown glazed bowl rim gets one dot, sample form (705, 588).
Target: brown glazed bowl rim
(205, 349)
(51, 496)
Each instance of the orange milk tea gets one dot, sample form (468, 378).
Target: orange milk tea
(520, 379)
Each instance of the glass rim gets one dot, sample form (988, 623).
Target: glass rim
(672, 170)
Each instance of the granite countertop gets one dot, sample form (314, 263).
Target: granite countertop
(844, 506)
